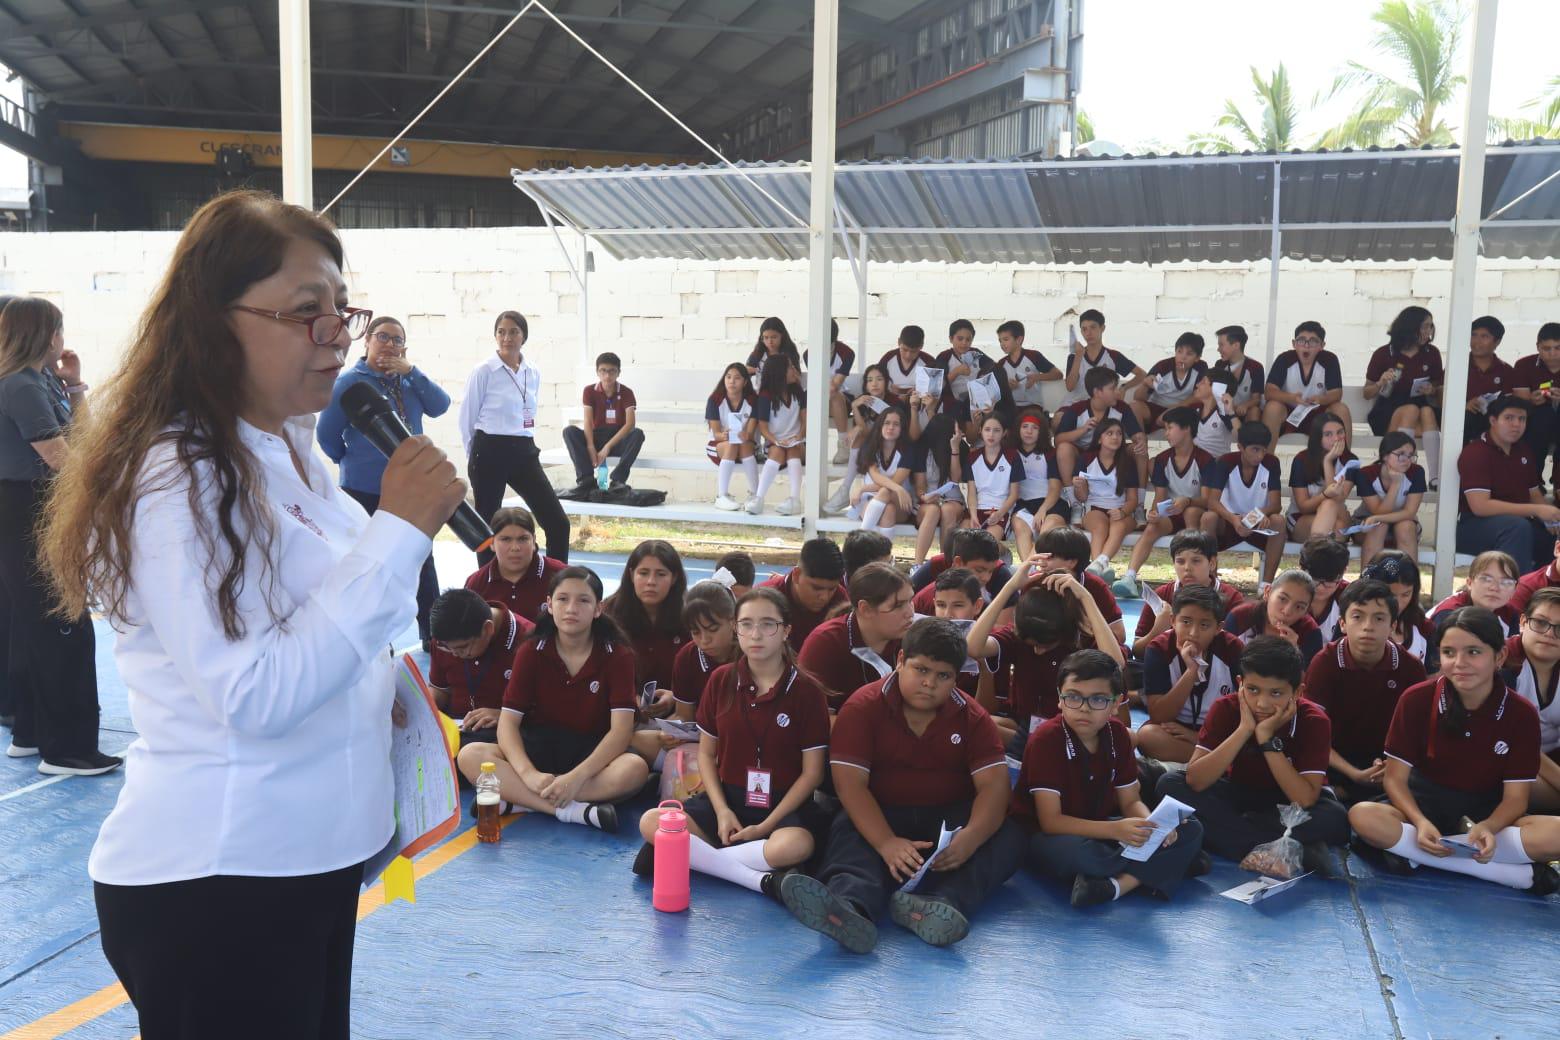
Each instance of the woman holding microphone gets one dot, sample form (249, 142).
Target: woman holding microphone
(413, 396)
(255, 602)
(498, 429)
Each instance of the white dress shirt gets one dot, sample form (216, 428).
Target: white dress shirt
(500, 400)
(267, 756)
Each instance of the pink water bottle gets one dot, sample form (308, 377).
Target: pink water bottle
(671, 859)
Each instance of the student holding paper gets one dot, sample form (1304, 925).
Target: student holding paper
(1245, 374)
(729, 412)
(912, 757)
(473, 654)
(1304, 383)
(569, 710)
(1171, 382)
(764, 732)
(1530, 668)
(1078, 796)
(847, 652)
(1185, 670)
(905, 360)
(1403, 381)
(1464, 745)
(1321, 478)
(937, 478)
(1215, 412)
(1089, 353)
(1538, 385)
(1023, 370)
(1244, 501)
(1390, 492)
(1077, 425)
(708, 615)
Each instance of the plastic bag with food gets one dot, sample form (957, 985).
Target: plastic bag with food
(1279, 858)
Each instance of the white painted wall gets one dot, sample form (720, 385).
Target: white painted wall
(448, 284)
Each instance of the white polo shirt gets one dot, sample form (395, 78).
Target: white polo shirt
(500, 400)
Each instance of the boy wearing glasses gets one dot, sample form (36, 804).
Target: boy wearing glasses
(1304, 384)
(912, 758)
(1079, 798)
(1263, 747)
(1532, 668)
(607, 429)
(1357, 680)
(474, 646)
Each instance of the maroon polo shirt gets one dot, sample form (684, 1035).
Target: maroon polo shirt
(524, 597)
(1543, 578)
(691, 672)
(936, 768)
(1426, 363)
(608, 410)
(803, 621)
(829, 657)
(480, 683)
(1055, 760)
(655, 657)
(1232, 599)
(1499, 378)
(1242, 621)
(1531, 373)
(769, 730)
(543, 691)
(1358, 700)
(1508, 477)
(1031, 674)
(1495, 745)
(1307, 743)
(1508, 616)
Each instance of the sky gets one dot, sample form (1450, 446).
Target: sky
(1156, 72)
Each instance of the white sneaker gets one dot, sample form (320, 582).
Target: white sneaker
(841, 452)
(726, 502)
(753, 506)
(788, 507)
(17, 751)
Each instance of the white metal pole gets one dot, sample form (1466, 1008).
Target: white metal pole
(862, 302)
(587, 360)
(1276, 254)
(820, 240)
(1465, 266)
(292, 34)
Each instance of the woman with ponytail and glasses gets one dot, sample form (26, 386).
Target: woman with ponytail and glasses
(764, 733)
(413, 396)
(568, 716)
(498, 431)
(1463, 745)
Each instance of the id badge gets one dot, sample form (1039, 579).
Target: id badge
(529, 423)
(611, 414)
(758, 788)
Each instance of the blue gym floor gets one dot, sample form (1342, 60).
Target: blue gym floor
(548, 934)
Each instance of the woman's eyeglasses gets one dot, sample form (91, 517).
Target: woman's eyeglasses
(759, 626)
(323, 328)
(1489, 581)
(398, 342)
(1096, 701)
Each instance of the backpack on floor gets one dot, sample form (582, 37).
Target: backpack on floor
(627, 496)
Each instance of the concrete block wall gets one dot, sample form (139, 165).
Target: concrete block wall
(448, 285)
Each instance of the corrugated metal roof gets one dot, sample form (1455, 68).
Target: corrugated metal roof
(1369, 205)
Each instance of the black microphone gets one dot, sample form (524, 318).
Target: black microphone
(372, 415)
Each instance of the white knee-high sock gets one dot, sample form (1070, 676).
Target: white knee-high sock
(727, 468)
(750, 471)
(793, 472)
(850, 463)
(887, 532)
(1509, 847)
(751, 855)
(726, 864)
(1432, 459)
(766, 479)
(1509, 874)
(872, 513)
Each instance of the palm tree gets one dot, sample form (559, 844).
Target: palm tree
(1085, 128)
(1403, 104)
(1272, 131)
(1544, 123)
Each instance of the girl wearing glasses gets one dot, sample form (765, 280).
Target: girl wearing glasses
(498, 430)
(1412, 629)
(1464, 745)
(764, 732)
(413, 396)
(1530, 668)
(1390, 492)
(1492, 580)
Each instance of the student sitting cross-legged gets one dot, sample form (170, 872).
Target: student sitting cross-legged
(1464, 746)
(568, 713)
(912, 756)
(1078, 795)
(1263, 747)
(764, 732)
(1186, 669)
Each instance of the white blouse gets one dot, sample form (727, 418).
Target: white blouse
(268, 756)
(500, 400)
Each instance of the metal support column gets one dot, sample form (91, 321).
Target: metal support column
(292, 33)
(1276, 255)
(1465, 265)
(587, 360)
(863, 301)
(820, 239)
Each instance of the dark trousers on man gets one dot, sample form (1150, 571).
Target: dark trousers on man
(625, 450)
(1522, 538)
(501, 459)
(1237, 818)
(1065, 856)
(427, 578)
(853, 870)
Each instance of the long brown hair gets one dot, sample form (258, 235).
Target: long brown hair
(180, 384)
(28, 325)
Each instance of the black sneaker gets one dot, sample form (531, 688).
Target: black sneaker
(1092, 891)
(644, 863)
(1392, 863)
(934, 921)
(602, 816)
(1546, 879)
(1201, 864)
(1315, 857)
(93, 763)
(770, 883)
(811, 903)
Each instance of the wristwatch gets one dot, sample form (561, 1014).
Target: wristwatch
(1274, 744)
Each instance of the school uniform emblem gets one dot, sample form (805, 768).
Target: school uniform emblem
(782, 720)
(955, 738)
(296, 512)
(1501, 747)
(1391, 684)
(507, 673)
(595, 686)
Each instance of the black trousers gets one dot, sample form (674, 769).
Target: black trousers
(1066, 856)
(626, 450)
(427, 578)
(7, 694)
(855, 872)
(52, 665)
(235, 957)
(1542, 429)
(498, 461)
(1236, 818)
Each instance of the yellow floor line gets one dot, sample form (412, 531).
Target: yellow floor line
(51, 1026)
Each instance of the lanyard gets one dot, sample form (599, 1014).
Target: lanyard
(1097, 795)
(525, 400)
(393, 391)
(742, 706)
